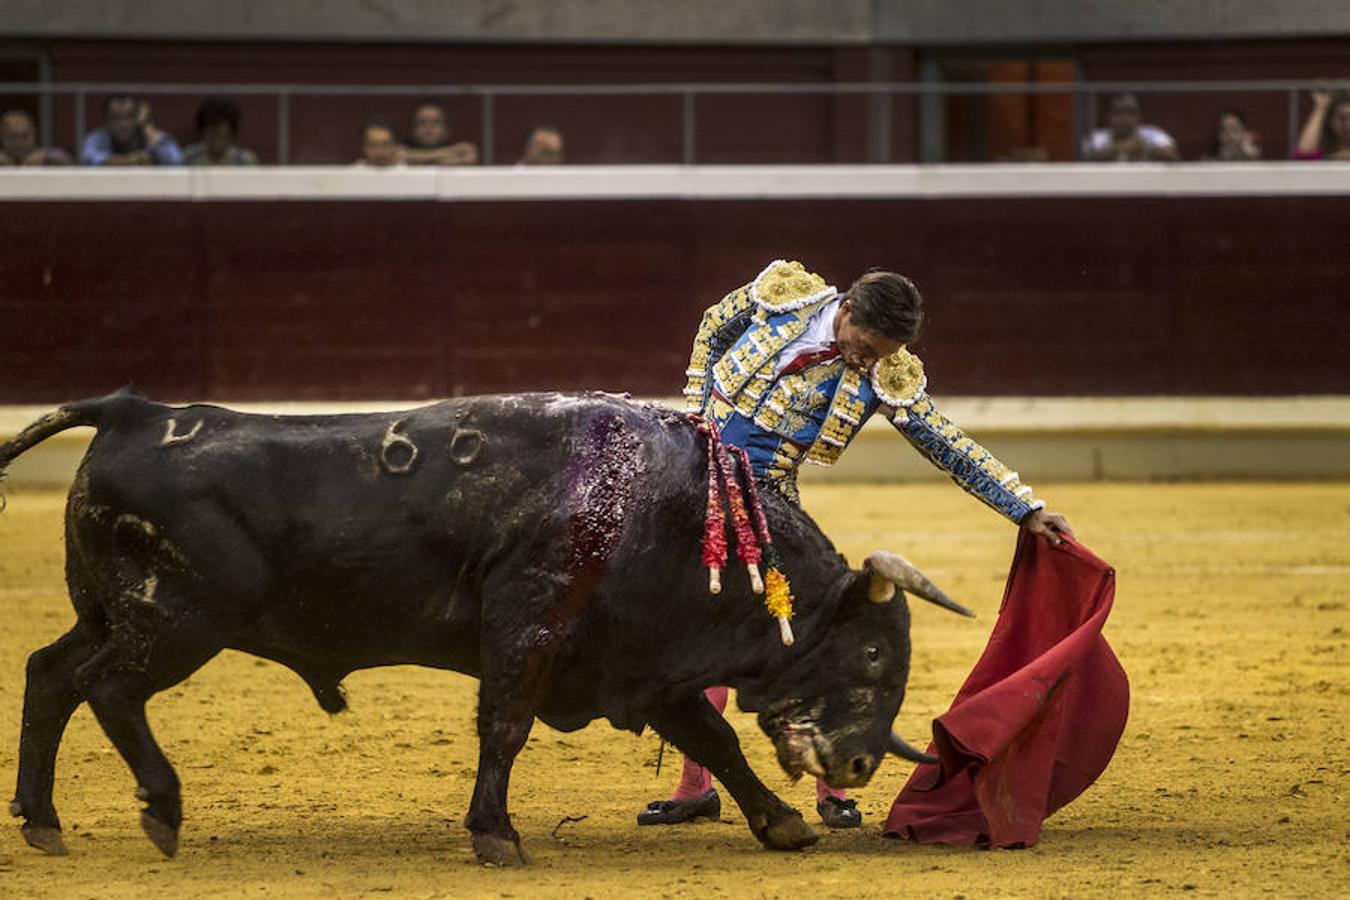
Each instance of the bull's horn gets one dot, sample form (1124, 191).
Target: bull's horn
(901, 748)
(895, 570)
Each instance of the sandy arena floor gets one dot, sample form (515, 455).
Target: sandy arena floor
(1231, 619)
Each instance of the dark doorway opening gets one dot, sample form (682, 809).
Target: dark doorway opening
(1008, 125)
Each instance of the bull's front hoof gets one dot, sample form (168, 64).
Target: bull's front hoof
(44, 838)
(789, 833)
(161, 835)
(496, 851)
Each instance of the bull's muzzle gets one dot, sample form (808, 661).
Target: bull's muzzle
(797, 752)
(803, 749)
(891, 571)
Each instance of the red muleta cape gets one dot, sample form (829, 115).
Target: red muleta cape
(1037, 720)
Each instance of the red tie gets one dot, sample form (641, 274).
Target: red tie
(808, 359)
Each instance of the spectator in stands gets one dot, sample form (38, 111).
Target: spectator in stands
(544, 147)
(1326, 133)
(429, 140)
(129, 137)
(1232, 140)
(18, 143)
(1126, 139)
(218, 137)
(380, 148)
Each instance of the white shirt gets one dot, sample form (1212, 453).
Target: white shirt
(819, 334)
(1152, 136)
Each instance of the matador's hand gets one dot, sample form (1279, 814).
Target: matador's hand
(1048, 525)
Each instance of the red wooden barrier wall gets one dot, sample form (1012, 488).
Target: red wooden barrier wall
(349, 300)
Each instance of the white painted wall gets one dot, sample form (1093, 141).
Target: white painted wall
(680, 182)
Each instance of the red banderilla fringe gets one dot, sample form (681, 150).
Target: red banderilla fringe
(747, 546)
(714, 520)
(722, 480)
(761, 523)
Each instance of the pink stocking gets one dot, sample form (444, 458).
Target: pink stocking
(696, 780)
(823, 790)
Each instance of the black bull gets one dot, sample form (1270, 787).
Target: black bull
(548, 545)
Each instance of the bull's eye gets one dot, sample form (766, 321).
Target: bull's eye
(873, 653)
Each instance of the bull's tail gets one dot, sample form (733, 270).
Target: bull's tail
(92, 413)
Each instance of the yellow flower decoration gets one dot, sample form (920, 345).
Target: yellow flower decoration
(777, 594)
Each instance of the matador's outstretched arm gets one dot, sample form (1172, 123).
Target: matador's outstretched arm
(971, 466)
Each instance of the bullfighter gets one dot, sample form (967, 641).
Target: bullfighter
(789, 370)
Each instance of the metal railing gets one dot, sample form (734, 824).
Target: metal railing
(1087, 94)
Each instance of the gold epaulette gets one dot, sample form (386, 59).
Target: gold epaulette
(786, 285)
(898, 379)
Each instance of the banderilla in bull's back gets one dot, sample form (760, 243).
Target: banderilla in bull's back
(549, 545)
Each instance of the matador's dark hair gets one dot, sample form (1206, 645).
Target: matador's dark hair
(886, 303)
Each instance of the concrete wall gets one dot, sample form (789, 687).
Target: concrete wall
(917, 22)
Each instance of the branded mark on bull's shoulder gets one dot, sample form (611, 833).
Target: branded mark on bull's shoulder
(465, 445)
(397, 450)
(172, 437)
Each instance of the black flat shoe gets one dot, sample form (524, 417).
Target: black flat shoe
(673, 812)
(836, 813)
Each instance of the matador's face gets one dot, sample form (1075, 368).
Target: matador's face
(860, 347)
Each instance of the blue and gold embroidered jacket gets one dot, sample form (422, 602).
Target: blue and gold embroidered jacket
(811, 415)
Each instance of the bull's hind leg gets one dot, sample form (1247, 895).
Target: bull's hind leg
(117, 682)
(699, 731)
(50, 696)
